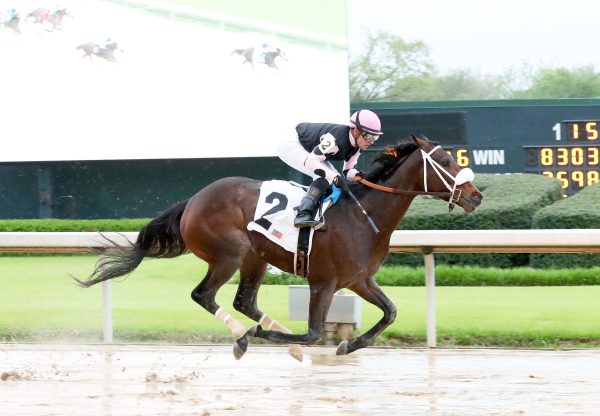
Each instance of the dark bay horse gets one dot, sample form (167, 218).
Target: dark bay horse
(212, 225)
(106, 52)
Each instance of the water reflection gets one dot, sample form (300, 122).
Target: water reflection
(330, 359)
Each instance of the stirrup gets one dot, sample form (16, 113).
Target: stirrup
(320, 227)
(302, 223)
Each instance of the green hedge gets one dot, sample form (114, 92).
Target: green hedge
(48, 225)
(581, 210)
(509, 202)
(477, 276)
(466, 276)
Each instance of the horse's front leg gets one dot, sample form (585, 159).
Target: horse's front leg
(372, 293)
(320, 300)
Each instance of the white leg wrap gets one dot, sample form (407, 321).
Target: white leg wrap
(236, 328)
(272, 324)
(295, 350)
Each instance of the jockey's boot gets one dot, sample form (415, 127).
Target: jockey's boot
(310, 202)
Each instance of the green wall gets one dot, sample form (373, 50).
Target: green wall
(118, 189)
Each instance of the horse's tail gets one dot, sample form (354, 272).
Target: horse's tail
(160, 238)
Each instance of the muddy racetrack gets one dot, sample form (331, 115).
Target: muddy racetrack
(206, 380)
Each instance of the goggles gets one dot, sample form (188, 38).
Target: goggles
(370, 137)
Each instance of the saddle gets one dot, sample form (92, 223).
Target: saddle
(274, 219)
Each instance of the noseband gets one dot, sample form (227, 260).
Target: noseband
(453, 193)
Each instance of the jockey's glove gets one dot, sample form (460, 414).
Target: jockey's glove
(341, 183)
(353, 174)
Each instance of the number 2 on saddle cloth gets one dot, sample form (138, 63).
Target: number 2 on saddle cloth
(274, 218)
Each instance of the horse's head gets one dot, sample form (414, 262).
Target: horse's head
(423, 166)
(281, 54)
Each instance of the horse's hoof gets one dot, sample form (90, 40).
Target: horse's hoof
(295, 351)
(240, 346)
(251, 331)
(342, 348)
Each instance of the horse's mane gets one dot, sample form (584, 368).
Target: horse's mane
(386, 163)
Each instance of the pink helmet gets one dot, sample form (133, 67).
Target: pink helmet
(367, 121)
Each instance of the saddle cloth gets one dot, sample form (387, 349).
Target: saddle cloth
(275, 213)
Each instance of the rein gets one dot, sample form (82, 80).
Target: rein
(399, 191)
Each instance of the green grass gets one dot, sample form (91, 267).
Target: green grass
(39, 301)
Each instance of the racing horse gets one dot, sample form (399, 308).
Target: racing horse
(55, 18)
(106, 52)
(212, 225)
(39, 15)
(268, 57)
(247, 54)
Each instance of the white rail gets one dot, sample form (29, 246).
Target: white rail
(496, 241)
(425, 242)
(273, 30)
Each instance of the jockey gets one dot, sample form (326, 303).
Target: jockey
(312, 146)
(266, 48)
(106, 43)
(54, 12)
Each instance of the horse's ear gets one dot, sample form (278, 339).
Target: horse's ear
(419, 141)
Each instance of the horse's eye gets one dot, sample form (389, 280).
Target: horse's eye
(446, 162)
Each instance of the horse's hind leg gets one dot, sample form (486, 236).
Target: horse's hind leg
(252, 274)
(204, 294)
(321, 296)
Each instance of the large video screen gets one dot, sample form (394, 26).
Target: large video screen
(102, 80)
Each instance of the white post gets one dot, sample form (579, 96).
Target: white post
(106, 309)
(107, 312)
(430, 286)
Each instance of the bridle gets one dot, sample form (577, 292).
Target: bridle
(463, 176)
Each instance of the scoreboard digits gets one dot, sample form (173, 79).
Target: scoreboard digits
(581, 130)
(460, 155)
(575, 162)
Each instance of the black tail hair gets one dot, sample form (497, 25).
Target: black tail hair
(160, 238)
